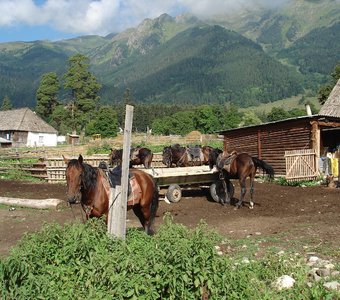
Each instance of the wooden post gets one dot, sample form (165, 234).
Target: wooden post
(118, 196)
(315, 139)
(259, 146)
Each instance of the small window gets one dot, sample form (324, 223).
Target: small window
(8, 136)
(41, 139)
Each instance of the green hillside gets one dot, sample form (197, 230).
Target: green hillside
(318, 51)
(203, 65)
(21, 67)
(277, 26)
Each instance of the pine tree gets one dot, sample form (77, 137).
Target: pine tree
(84, 89)
(6, 104)
(47, 95)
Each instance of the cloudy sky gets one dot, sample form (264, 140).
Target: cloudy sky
(28, 20)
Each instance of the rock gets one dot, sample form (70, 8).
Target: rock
(333, 285)
(323, 272)
(283, 282)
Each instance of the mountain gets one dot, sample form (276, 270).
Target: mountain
(204, 64)
(316, 51)
(279, 25)
(258, 55)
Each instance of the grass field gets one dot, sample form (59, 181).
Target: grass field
(287, 104)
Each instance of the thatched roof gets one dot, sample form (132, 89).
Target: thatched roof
(331, 107)
(23, 119)
(4, 141)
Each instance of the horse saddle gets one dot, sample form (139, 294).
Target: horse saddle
(195, 152)
(224, 162)
(134, 190)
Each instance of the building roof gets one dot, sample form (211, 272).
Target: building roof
(312, 117)
(4, 141)
(332, 105)
(23, 119)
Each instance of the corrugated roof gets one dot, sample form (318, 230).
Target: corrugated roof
(23, 119)
(332, 105)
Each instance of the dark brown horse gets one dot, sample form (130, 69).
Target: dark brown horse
(240, 166)
(210, 155)
(180, 156)
(138, 156)
(90, 186)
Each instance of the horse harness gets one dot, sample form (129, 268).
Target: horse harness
(134, 189)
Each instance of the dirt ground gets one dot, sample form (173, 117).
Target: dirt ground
(309, 213)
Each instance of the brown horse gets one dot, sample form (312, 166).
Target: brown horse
(90, 186)
(240, 166)
(180, 156)
(210, 155)
(138, 156)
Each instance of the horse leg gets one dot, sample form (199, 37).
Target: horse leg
(137, 209)
(243, 192)
(226, 198)
(251, 204)
(143, 215)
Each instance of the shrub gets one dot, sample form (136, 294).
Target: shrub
(80, 261)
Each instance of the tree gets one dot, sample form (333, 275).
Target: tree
(250, 118)
(206, 120)
(47, 95)
(277, 113)
(325, 90)
(84, 89)
(6, 104)
(61, 119)
(105, 123)
(231, 117)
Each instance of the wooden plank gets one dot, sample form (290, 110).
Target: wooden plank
(117, 212)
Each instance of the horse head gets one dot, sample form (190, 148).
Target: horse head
(167, 156)
(74, 171)
(115, 156)
(213, 155)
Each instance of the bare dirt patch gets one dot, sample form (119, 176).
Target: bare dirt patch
(304, 215)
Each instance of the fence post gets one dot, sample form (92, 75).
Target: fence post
(118, 196)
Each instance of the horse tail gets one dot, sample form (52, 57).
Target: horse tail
(264, 166)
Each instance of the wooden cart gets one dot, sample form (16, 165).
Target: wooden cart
(174, 179)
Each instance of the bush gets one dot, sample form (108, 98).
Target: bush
(80, 261)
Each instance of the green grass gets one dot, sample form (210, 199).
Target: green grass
(287, 104)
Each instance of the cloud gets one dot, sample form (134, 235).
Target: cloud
(107, 16)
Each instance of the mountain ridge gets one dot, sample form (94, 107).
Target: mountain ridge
(114, 58)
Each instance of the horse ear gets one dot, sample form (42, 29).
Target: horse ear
(80, 159)
(66, 160)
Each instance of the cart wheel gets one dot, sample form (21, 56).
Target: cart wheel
(174, 193)
(217, 190)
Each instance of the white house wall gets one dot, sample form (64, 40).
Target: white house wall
(35, 139)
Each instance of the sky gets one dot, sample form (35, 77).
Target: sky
(30, 20)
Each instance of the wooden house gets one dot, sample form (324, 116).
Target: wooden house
(5, 143)
(296, 143)
(23, 128)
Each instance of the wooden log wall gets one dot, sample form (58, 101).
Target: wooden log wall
(270, 142)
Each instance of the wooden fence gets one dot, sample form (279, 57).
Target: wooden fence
(55, 166)
(301, 165)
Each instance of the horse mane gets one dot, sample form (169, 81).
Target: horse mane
(89, 178)
(89, 174)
